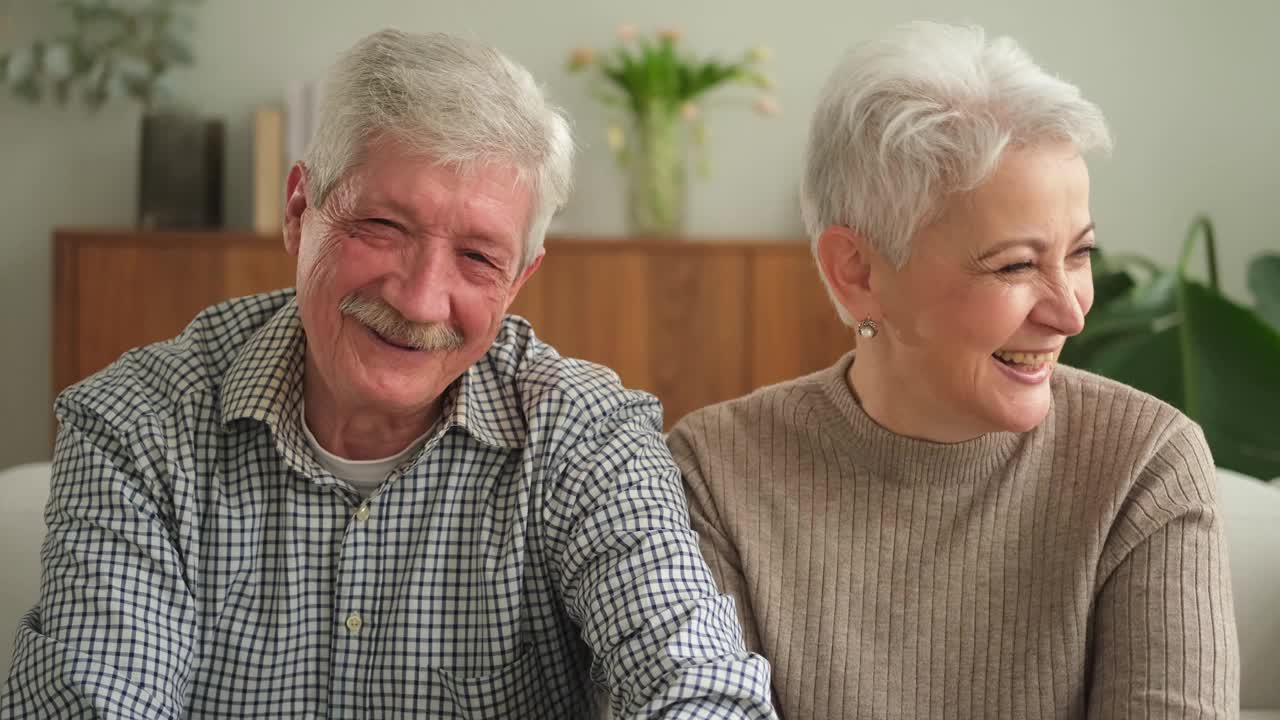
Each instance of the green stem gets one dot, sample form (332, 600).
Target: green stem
(1190, 398)
(657, 169)
(1116, 261)
(1201, 224)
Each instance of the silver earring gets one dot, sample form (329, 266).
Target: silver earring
(867, 328)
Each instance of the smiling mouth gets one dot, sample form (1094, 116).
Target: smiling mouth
(1027, 361)
(388, 341)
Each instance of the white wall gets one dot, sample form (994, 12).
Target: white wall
(1188, 86)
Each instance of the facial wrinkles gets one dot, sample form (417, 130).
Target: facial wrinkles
(328, 244)
(341, 202)
(322, 267)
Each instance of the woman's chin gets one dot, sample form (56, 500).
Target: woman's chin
(1015, 399)
(1023, 414)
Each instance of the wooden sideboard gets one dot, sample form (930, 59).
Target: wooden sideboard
(692, 322)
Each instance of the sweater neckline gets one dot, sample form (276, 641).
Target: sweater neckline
(903, 458)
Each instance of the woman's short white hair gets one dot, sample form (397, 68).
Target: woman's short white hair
(461, 103)
(926, 111)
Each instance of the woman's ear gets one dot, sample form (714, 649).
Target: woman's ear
(844, 258)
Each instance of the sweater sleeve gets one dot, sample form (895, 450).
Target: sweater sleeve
(1165, 636)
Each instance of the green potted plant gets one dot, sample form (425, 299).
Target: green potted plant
(112, 49)
(661, 88)
(118, 49)
(1182, 340)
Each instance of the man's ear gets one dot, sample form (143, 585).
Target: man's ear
(844, 256)
(524, 276)
(295, 203)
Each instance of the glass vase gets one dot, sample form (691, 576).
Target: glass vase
(657, 165)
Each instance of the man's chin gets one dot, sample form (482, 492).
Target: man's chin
(404, 398)
(408, 378)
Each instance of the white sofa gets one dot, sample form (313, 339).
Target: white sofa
(1252, 519)
(24, 490)
(1252, 511)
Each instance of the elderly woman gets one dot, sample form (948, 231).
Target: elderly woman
(947, 523)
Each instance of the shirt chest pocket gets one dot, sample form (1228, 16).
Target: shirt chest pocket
(517, 689)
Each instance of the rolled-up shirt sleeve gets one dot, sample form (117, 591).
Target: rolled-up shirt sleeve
(114, 632)
(664, 640)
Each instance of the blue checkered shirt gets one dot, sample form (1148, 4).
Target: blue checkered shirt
(201, 563)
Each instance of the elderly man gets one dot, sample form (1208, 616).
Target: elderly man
(380, 497)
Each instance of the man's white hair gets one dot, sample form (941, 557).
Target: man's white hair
(924, 112)
(460, 103)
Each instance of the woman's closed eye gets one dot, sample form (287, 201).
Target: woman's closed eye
(1016, 267)
(1085, 252)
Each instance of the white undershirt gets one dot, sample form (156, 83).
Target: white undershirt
(363, 475)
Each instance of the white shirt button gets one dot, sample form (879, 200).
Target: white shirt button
(354, 623)
(362, 512)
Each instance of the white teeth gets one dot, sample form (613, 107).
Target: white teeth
(1026, 358)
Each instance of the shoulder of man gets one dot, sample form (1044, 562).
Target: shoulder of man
(152, 379)
(564, 398)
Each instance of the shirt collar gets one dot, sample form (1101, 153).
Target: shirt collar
(264, 384)
(486, 405)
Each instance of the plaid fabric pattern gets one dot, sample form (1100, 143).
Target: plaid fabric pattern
(200, 563)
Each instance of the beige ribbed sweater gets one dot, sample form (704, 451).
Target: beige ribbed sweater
(1075, 571)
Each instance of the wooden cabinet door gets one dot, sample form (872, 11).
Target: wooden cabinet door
(119, 290)
(667, 318)
(694, 323)
(794, 326)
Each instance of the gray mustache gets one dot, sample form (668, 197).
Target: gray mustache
(390, 324)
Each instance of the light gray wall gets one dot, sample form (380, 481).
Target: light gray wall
(1188, 86)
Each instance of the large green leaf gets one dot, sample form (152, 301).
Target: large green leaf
(1188, 345)
(1109, 286)
(1264, 282)
(1119, 308)
(1148, 361)
(1231, 359)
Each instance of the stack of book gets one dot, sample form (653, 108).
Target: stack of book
(280, 137)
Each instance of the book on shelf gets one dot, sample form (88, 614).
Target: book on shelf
(268, 169)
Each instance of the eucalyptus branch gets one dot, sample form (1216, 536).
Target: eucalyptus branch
(111, 50)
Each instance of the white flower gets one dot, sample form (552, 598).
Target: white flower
(767, 105)
(761, 53)
(581, 57)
